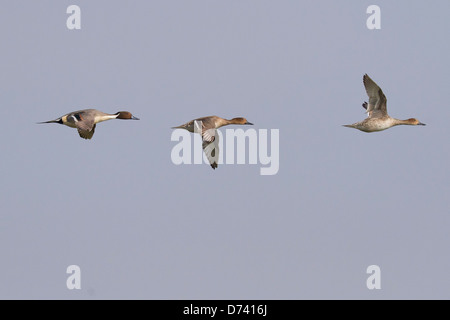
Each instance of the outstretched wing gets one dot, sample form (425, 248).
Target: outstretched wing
(84, 133)
(376, 107)
(211, 148)
(201, 125)
(210, 137)
(85, 125)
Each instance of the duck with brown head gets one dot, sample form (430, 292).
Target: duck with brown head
(125, 115)
(413, 122)
(378, 118)
(239, 121)
(85, 120)
(207, 126)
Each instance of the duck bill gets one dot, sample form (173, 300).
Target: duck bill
(134, 118)
(421, 124)
(249, 123)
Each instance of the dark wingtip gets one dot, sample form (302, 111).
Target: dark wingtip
(364, 105)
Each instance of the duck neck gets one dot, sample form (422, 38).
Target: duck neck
(401, 122)
(105, 117)
(235, 121)
(223, 122)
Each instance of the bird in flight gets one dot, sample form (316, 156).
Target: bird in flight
(85, 120)
(207, 127)
(378, 118)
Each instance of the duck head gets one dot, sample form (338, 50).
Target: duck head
(125, 115)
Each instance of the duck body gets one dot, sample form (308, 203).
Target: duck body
(211, 122)
(373, 124)
(85, 120)
(207, 126)
(378, 119)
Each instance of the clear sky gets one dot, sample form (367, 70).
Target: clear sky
(141, 227)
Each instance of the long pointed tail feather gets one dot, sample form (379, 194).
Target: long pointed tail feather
(50, 121)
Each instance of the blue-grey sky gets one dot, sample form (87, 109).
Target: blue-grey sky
(141, 227)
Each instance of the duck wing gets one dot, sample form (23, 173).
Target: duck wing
(84, 133)
(376, 108)
(207, 128)
(211, 149)
(84, 124)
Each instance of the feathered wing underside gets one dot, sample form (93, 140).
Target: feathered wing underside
(85, 125)
(201, 126)
(82, 122)
(376, 108)
(86, 134)
(206, 128)
(211, 148)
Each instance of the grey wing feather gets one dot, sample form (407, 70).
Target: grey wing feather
(377, 99)
(202, 125)
(86, 134)
(211, 149)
